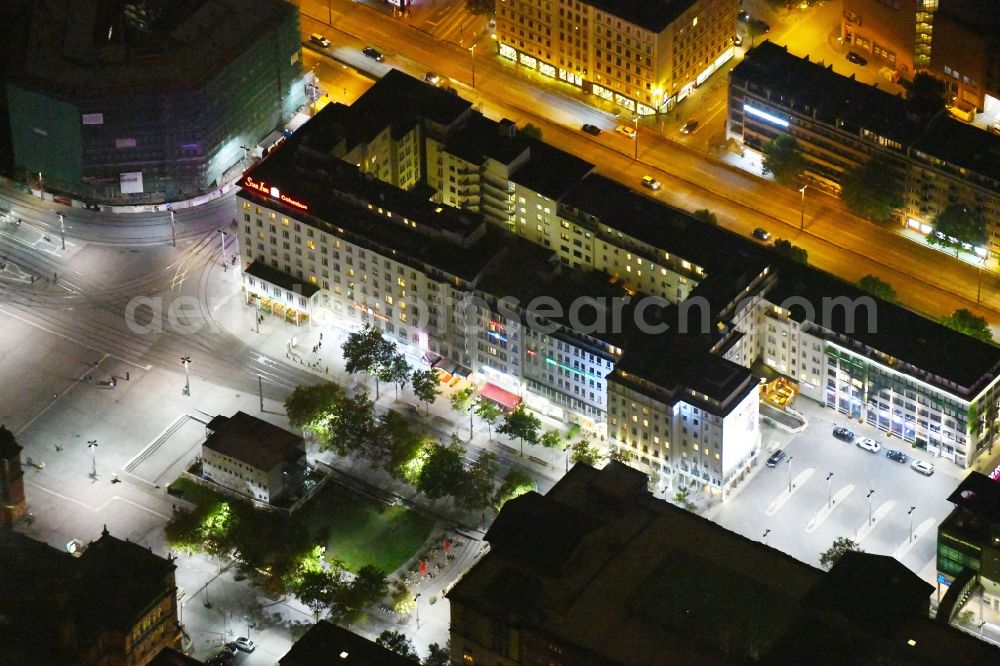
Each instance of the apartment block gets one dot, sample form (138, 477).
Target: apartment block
(644, 56)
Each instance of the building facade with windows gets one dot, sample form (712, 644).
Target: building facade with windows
(644, 56)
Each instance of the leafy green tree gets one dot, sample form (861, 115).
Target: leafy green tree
(396, 443)
(309, 405)
(317, 589)
(515, 484)
(443, 473)
(462, 401)
(783, 158)
(396, 370)
(878, 288)
(398, 643)
(927, 95)
(958, 225)
(551, 439)
(350, 427)
(480, 6)
(521, 424)
(964, 321)
(753, 30)
(532, 131)
(583, 452)
(369, 584)
(793, 252)
(837, 549)
(479, 484)
(706, 216)
(369, 352)
(683, 497)
(871, 191)
(438, 655)
(489, 412)
(402, 597)
(426, 385)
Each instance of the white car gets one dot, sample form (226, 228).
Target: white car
(869, 444)
(317, 38)
(922, 467)
(650, 182)
(245, 644)
(627, 130)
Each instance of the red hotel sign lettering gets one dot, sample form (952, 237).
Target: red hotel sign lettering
(273, 192)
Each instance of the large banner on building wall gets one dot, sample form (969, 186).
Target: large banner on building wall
(131, 182)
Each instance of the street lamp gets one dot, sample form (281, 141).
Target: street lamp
(186, 361)
(802, 217)
(635, 137)
(472, 50)
(92, 445)
(173, 229)
(566, 451)
(910, 514)
(979, 281)
(869, 498)
(829, 490)
(224, 258)
(62, 229)
(416, 608)
(790, 459)
(766, 532)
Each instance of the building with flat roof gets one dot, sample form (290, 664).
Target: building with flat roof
(599, 571)
(326, 643)
(250, 456)
(148, 101)
(114, 604)
(643, 55)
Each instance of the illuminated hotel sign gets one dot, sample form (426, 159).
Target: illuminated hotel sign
(273, 192)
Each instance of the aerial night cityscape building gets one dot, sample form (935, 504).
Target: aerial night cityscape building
(499, 332)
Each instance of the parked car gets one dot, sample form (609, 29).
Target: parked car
(230, 648)
(689, 127)
(627, 130)
(372, 53)
(898, 456)
(432, 78)
(245, 644)
(843, 434)
(737, 41)
(761, 234)
(869, 444)
(593, 130)
(762, 27)
(317, 38)
(856, 59)
(775, 458)
(650, 182)
(995, 128)
(922, 467)
(743, 16)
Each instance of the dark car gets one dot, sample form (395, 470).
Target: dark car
(762, 27)
(593, 130)
(761, 234)
(856, 59)
(898, 456)
(843, 434)
(775, 458)
(743, 16)
(689, 127)
(372, 53)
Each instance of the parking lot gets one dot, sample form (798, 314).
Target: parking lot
(805, 521)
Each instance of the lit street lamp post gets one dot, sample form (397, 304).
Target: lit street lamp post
(186, 361)
(62, 229)
(566, 451)
(790, 459)
(635, 138)
(92, 445)
(224, 258)
(766, 532)
(829, 490)
(802, 217)
(173, 229)
(472, 50)
(416, 608)
(910, 514)
(869, 498)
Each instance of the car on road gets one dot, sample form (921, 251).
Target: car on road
(743, 16)
(898, 456)
(762, 27)
(650, 182)
(922, 467)
(843, 434)
(775, 458)
(689, 127)
(230, 648)
(319, 39)
(737, 41)
(592, 130)
(627, 130)
(761, 234)
(245, 644)
(432, 78)
(869, 444)
(856, 59)
(372, 53)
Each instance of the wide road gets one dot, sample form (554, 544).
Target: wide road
(926, 280)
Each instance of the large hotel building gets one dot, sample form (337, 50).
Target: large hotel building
(520, 266)
(644, 55)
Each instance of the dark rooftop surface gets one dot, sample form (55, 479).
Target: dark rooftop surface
(9, 448)
(964, 146)
(253, 441)
(171, 657)
(551, 172)
(281, 279)
(978, 494)
(479, 138)
(654, 15)
(326, 643)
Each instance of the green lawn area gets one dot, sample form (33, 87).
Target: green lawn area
(360, 530)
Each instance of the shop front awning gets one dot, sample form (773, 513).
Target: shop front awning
(502, 397)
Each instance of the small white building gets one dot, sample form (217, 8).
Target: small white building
(250, 456)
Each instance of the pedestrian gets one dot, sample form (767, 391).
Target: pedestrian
(321, 337)
(33, 279)
(55, 278)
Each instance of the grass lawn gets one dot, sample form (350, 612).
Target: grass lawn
(360, 530)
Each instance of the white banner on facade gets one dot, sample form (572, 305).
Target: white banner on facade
(93, 119)
(131, 182)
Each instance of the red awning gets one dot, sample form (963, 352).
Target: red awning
(504, 398)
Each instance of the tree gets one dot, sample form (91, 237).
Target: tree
(783, 158)
(443, 473)
(316, 589)
(438, 655)
(351, 427)
(753, 30)
(871, 191)
(956, 225)
(398, 643)
(706, 216)
(532, 131)
(426, 385)
(515, 484)
(683, 498)
(307, 406)
(877, 288)
(461, 401)
(367, 351)
(479, 484)
(396, 443)
(489, 412)
(395, 370)
(369, 584)
(832, 555)
(550, 439)
(793, 252)
(964, 321)
(521, 424)
(480, 6)
(927, 95)
(583, 452)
